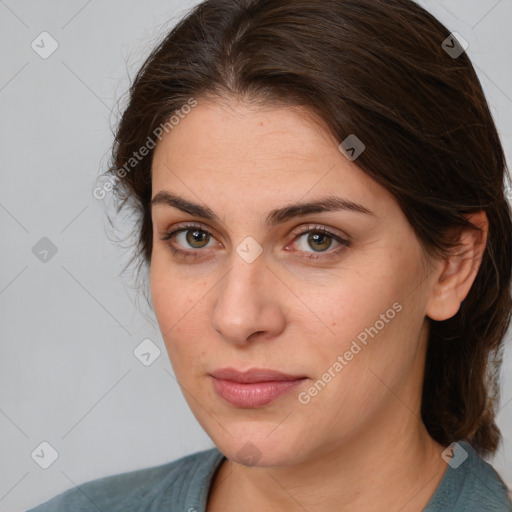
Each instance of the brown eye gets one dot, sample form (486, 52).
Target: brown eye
(188, 240)
(196, 238)
(319, 241)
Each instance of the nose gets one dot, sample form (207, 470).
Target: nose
(247, 305)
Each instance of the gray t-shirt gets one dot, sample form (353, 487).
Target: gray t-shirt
(183, 486)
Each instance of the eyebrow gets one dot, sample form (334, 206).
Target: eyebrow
(277, 216)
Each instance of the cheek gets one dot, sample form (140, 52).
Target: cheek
(369, 354)
(373, 320)
(173, 295)
(179, 306)
(354, 303)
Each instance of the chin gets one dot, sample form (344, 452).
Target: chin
(260, 449)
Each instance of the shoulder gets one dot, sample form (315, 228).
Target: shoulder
(472, 485)
(154, 488)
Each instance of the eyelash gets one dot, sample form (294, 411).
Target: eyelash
(194, 254)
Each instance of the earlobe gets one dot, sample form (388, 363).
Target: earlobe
(455, 274)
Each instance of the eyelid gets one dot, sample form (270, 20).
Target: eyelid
(296, 232)
(302, 230)
(312, 227)
(184, 226)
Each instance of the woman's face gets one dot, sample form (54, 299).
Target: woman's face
(335, 295)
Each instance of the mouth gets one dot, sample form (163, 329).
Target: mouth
(253, 388)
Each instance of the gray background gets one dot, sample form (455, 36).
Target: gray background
(68, 326)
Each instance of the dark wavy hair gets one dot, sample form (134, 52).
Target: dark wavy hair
(387, 71)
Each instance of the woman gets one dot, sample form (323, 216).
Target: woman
(320, 187)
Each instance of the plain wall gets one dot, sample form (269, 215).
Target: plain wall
(68, 326)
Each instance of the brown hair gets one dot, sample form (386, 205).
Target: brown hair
(377, 69)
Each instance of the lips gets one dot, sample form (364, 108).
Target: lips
(253, 388)
(253, 375)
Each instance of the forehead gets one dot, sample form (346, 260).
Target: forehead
(237, 132)
(243, 152)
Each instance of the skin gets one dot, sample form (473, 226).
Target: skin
(359, 444)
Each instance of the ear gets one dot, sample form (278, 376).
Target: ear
(456, 273)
